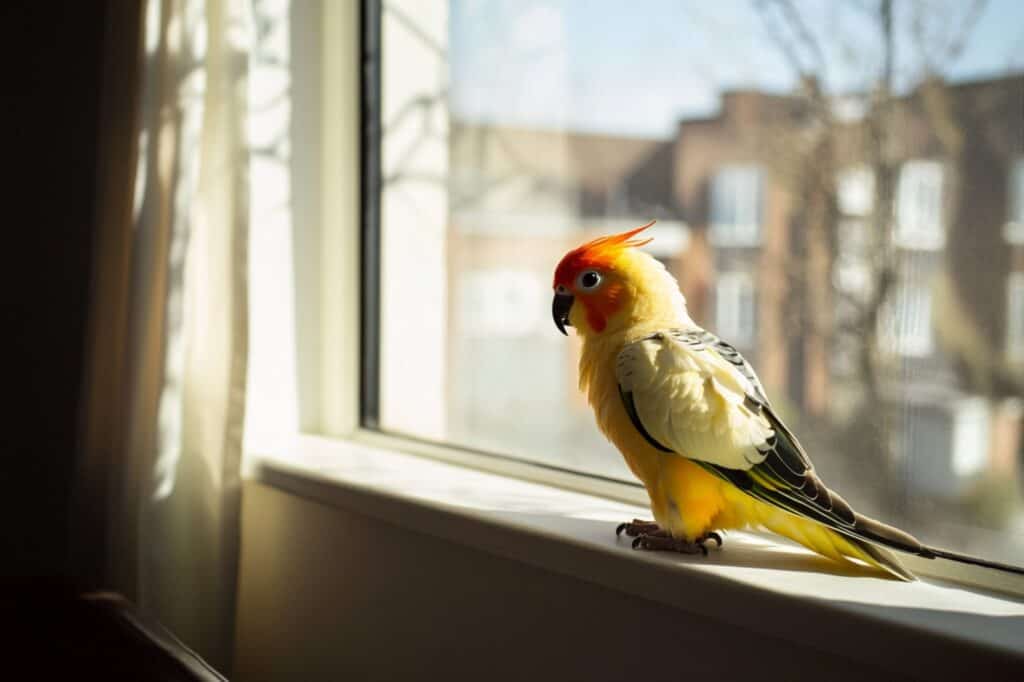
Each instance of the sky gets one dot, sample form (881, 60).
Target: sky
(636, 67)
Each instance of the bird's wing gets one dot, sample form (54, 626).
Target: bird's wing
(691, 394)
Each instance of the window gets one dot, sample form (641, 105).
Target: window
(947, 445)
(736, 195)
(511, 133)
(856, 198)
(1015, 317)
(908, 321)
(856, 191)
(1014, 229)
(735, 308)
(919, 206)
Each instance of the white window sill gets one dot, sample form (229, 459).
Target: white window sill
(760, 584)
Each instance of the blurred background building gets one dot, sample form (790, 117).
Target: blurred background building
(840, 195)
(876, 280)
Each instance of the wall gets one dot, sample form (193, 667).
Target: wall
(329, 594)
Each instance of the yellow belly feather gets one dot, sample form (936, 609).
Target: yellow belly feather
(685, 499)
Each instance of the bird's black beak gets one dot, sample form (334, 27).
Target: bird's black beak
(560, 311)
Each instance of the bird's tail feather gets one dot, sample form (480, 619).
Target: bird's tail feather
(832, 544)
(974, 561)
(897, 539)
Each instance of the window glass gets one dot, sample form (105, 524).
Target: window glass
(1015, 192)
(919, 206)
(734, 308)
(1015, 317)
(856, 191)
(736, 206)
(908, 321)
(833, 200)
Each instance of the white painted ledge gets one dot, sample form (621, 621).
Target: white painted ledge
(763, 585)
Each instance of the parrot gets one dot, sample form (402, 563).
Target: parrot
(694, 424)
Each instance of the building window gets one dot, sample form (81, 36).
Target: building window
(1014, 229)
(946, 445)
(736, 199)
(908, 321)
(856, 189)
(919, 206)
(856, 198)
(735, 308)
(1015, 317)
(972, 431)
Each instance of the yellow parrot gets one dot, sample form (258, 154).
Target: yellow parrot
(692, 421)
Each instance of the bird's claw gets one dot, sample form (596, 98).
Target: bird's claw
(667, 543)
(637, 527)
(663, 541)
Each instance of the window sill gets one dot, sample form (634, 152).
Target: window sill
(926, 628)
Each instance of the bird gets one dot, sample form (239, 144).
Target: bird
(694, 424)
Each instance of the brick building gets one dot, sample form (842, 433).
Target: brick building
(768, 224)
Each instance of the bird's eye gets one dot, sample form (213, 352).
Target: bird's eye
(589, 279)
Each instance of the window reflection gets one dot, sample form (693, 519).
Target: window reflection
(843, 203)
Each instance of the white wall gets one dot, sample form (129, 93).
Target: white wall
(329, 594)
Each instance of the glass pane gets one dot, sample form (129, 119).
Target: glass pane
(862, 252)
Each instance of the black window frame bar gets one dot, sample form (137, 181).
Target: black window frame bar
(369, 210)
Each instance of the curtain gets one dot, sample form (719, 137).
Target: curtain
(159, 489)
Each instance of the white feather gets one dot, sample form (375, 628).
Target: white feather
(693, 401)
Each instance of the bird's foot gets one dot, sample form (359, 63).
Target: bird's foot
(637, 527)
(662, 541)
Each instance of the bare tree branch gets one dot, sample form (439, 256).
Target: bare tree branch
(956, 48)
(775, 35)
(801, 30)
(869, 9)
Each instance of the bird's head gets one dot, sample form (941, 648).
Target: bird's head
(608, 284)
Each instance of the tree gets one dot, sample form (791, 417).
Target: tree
(811, 161)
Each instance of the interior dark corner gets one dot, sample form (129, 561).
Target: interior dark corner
(289, 403)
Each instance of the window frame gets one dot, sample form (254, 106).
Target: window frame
(369, 213)
(350, 235)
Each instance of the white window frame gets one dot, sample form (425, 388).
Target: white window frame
(736, 205)
(920, 206)
(336, 426)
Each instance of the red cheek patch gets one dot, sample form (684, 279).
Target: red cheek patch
(602, 305)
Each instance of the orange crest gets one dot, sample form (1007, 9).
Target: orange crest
(597, 253)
